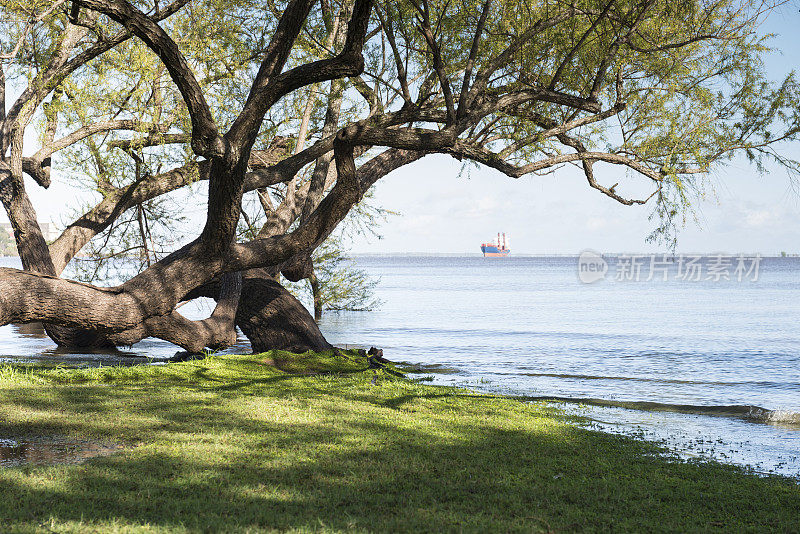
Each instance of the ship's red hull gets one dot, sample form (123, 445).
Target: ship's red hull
(492, 251)
(495, 250)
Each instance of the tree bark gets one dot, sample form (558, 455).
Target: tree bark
(35, 257)
(270, 316)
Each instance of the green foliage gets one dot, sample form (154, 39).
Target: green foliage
(136, 240)
(342, 286)
(7, 245)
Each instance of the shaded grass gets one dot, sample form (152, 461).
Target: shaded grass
(321, 443)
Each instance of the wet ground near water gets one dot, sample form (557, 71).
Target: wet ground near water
(50, 450)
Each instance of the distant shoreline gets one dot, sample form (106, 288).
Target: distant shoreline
(511, 256)
(576, 255)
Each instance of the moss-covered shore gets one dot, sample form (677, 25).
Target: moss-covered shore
(322, 443)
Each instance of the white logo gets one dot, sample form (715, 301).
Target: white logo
(591, 267)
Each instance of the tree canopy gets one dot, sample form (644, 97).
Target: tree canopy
(287, 113)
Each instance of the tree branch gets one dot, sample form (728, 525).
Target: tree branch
(216, 332)
(153, 139)
(438, 65)
(473, 53)
(206, 140)
(57, 70)
(557, 76)
(270, 86)
(2, 96)
(482, 155)
(33, 165)
(402, 76)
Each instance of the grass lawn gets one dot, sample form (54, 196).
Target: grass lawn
(320, 443)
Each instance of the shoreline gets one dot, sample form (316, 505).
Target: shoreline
(673, 426)
(325, 443)
(577, 255)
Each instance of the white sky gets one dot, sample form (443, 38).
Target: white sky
(559, 214)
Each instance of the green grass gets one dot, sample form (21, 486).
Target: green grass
(320, 443)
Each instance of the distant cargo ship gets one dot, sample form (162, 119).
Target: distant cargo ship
(500, 248)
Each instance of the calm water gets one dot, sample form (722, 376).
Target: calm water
(717, 363)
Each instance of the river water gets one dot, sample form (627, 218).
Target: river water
(708, 363)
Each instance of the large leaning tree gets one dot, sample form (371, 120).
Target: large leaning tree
(299, 107)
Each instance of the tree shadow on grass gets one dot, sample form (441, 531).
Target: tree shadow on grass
(203, 464)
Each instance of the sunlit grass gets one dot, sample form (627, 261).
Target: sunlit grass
(325, 443)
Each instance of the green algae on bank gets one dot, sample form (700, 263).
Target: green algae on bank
(325, 442)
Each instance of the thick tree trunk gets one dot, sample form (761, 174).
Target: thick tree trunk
(270, 316)
(35, 257)
(74, 338)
